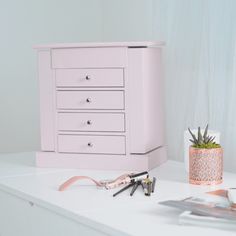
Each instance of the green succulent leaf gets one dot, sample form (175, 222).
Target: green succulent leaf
(199, 135)
(207, 145)
(211, 139)
(194, 137)
(205, 141)
(192, 141)
(205, 133)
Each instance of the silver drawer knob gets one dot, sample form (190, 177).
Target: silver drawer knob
(89, 122)
(88, 100)
(90, 144)
(87, 77)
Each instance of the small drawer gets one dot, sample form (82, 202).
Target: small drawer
(91, 144)
(89, 57)
(104, 122)
(90, 100)
(89, 78)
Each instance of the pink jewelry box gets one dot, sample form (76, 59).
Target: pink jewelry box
(101, 105)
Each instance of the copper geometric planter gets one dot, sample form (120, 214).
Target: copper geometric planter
(205, 166)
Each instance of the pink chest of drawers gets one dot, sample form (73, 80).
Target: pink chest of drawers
(101, 106)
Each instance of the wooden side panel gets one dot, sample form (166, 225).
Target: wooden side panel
(145, 99)
(153, 88)
(46, 87)
(135, 101)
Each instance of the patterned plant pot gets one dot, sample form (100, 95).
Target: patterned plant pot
(205, 166)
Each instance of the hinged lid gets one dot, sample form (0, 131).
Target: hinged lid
(102, 44)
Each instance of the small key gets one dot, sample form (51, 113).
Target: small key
(147, 187)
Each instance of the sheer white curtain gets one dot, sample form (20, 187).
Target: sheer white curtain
(200, 59)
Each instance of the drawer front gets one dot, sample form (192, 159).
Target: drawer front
(88, 57)
(89, 78)
(91, 144)
(90, 100)
(108, 122)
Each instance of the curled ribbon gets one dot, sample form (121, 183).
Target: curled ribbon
(123, 179)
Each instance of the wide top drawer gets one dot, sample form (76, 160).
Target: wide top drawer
(89, 57)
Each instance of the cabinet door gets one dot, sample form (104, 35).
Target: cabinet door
(22, 217)
(46, 89)
(146, 120)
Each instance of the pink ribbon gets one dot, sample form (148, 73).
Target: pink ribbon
(123, 179)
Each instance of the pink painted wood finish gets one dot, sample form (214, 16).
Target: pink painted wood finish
(102, 45)
(47, 101)
(103, 162)
(145, 99)
(94, 122)
(89, 78)
(91, 144)
(101, 106)
(86, 99)
(88, 58)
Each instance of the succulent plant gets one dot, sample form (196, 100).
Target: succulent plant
(203, 141)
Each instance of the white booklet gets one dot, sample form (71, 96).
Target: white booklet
(189, 218)
(210, 209)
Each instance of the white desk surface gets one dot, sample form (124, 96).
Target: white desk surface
(84, 203)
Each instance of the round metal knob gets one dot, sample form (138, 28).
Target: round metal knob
(89, 122)
(88, 100)
(87, 77)
(90, 144)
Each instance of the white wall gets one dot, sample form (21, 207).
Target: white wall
(200, 70)
(22, 25)
(127, 20)
(26, 23)
(200, 61)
